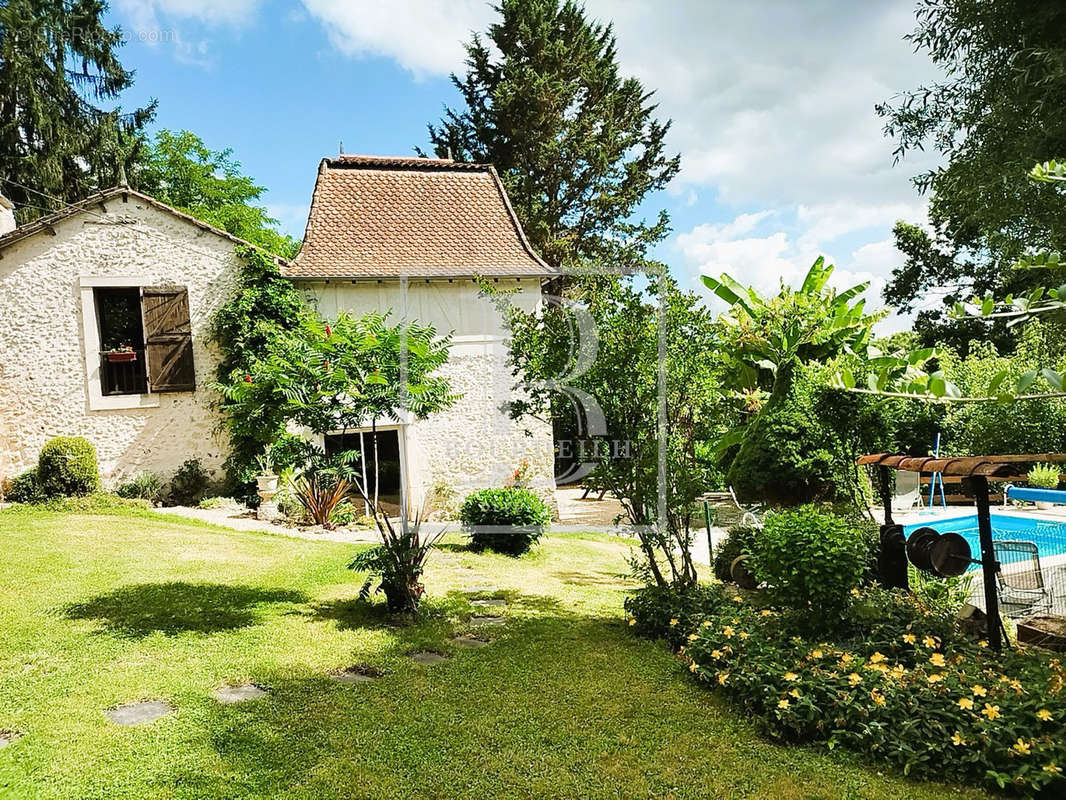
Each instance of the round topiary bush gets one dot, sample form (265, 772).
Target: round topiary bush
(504, 520)
(67, 467)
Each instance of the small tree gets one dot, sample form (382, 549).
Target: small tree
(326, 377)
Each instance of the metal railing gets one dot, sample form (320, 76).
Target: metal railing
(123, 376)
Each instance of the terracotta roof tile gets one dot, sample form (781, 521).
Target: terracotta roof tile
(387, 217)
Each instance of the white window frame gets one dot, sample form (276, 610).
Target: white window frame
(90, 328)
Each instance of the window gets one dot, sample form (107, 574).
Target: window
(145, 340)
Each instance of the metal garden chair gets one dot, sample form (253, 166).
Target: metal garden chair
(1022, 587)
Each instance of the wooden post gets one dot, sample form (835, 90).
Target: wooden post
(989, 565)
(886, 493)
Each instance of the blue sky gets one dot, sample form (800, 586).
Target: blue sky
(772, 102)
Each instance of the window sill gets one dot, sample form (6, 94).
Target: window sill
(118, 402)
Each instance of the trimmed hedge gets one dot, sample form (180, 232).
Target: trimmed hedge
(521, 513)
(67, 467)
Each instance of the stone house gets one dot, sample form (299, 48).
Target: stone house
(106, 309)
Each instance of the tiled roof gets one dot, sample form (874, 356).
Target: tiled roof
(417, 217)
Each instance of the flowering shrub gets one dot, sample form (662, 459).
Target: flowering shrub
(671, 612)
(944, 708)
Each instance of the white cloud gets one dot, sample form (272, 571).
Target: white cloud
(424, 36)
(146, 14)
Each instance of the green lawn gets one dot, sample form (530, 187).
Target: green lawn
(97, 611)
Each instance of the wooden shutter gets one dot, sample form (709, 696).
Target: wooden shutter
(168, 339)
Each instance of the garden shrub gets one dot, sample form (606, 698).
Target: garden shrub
(144, 486)
(189, 484)
(952, 711)
(518, 516)
(671, 612)
(811, 561)
(25, 488)
(67, 467)
(740, 541)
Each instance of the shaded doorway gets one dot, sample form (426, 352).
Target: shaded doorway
(390, 472)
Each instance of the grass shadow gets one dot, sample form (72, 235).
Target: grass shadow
(178, 607)
(575, 578)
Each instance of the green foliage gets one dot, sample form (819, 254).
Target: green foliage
(627, 321)
(145, 486)
(26, 488)
(188, 485)
(180, 170)
(522, 514)
(67, 467)
(998, 108)
(932, 708)
(740, 541)
(576, 144)
(265, 307)
(672, 612)
(398, 564)
(319, 482)
(58, 61)
(1044, 476)
(810, 561)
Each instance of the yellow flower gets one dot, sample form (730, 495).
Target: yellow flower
(937, 659)
(692, 637)
(982, 643)
(716, 654)
(910, 638)
(1052, 769)
(744, 634)
(766, 612)
(878, 697)
(693, 667)
(795, 693)
(929, 641)
(673, 622)
(1016, 686)
(632, 622)
(956, 739)
(1020, 747)
(991, 711)
(876, 658)
(979, 690)
(783, 703)
(966, 703)
(706, 623)
(898, 671)
(816, 654)
(936, 677)
(791, 676)
(854, 679)
(727, 630)
(1043, 715)
(738, 599)
(722, 678)
(845, 658)
(854, 592)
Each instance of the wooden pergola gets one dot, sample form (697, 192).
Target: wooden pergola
(974, 470)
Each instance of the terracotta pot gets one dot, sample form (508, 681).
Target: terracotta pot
(267, 483)
(120, 356)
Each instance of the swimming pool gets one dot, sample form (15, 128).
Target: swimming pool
(1048, 535)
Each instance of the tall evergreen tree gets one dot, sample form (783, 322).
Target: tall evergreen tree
(57, 66)
(999, 108)
(576, 144)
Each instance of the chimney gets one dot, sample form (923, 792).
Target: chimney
(7, 215)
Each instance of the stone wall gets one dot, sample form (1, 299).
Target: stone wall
(44, 373)
(474, 444)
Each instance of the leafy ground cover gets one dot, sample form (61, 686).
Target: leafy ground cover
(97, 610)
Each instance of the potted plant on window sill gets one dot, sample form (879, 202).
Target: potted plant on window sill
(120, 355)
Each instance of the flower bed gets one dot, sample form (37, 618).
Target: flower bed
(934, 703)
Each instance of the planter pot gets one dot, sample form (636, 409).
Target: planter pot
(267, 483)
(1048, 632)
(120, 356)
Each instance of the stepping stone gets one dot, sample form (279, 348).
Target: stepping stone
(487, 619)
(491, 601)
(238, 694)
(139, 713)
(470, 641)
(356, 675)
(428, 657)
(8, 737)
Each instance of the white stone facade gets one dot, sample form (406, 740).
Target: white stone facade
(49, 362)
(474, 444)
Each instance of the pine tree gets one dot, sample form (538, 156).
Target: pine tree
(575, 143)
(57, 64)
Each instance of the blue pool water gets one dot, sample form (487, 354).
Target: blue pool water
(1048, 535)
